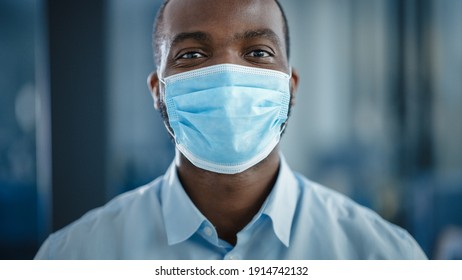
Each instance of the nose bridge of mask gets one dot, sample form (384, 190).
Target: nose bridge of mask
(220, 68)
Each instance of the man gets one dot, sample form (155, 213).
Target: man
(224, 87)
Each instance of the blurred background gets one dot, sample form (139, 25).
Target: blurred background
(378, 113)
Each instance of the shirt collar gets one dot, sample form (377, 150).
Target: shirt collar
(281, 203)
(183, 219)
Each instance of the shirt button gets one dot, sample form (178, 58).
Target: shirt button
(233, 257)
(208, 231)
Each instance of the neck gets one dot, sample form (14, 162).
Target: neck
(229, 201)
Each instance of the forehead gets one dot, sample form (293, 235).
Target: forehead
(221, 17)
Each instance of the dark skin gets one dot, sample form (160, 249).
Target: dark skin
(200, 33)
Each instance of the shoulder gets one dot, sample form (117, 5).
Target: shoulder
(102, 231)
(355, 231)
(123, 206)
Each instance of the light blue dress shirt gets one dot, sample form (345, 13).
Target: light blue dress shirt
(299, 220)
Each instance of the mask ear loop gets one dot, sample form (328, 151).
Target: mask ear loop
(169, 129)
(284, 125)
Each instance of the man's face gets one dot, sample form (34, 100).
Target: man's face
(200, 33)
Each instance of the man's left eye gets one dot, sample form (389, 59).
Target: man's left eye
(259, 53)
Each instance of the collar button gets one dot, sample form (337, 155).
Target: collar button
(208, 231)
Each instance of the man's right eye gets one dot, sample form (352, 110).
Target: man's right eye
(191, 55)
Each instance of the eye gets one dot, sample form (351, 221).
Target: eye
(190, 55)
(259, 53)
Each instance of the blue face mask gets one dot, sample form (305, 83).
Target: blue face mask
(226, 118)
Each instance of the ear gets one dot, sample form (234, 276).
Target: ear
(153, 85)
(293, 85)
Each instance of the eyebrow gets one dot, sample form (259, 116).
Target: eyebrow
(259, 33)
(249, 34)
(197, 36)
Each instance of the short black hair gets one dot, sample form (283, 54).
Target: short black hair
(158, 22)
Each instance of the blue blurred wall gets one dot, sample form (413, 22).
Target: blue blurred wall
(377, 113)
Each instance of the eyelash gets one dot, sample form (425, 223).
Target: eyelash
(267, 53)
(255, 55)
(181, 56)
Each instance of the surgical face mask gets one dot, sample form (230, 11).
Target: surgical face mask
(226, 118)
